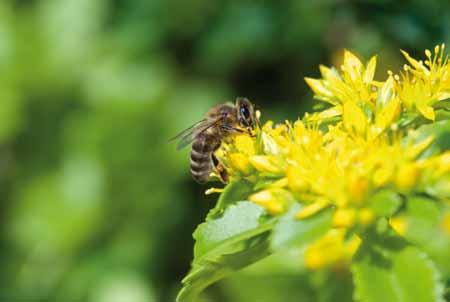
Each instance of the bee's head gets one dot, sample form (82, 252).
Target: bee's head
(245, 113)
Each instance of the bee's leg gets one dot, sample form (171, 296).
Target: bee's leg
(232, 129)
(220, 169)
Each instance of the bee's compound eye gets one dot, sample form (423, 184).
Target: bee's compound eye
(245, 112)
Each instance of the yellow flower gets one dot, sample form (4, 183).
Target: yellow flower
(296, 180)
(354, 118)
(235, 154)
(399, 224)
(267, 163)
(245, 144)
(331, 250)
(414, 148)
(358, 189)
(366, 216)
(312, 209)
(424, 84)
(381, 176)
(389, 106)
(339, 157)
(407, 176)
(348, 92)
(344, 218)
(240, 163)
(275, 200)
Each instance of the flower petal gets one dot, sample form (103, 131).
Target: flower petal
(369, 73)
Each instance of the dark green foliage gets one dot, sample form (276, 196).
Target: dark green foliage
(95, 202)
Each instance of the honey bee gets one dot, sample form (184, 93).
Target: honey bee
(206, 136)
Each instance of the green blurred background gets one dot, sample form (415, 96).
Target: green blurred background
(96, 204)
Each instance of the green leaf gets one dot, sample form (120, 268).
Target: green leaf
(210, 270)
(226, 244)
(238, 219)
(445, 104)
(423, 228)
(270, 287)
(291, 231)
(440, 131)
(332, 284)
(385, 203)
(264, 182)
(407, 118)
(234, 192)
(390, 270)
(442, 115)
(439, 189)
(423, 208)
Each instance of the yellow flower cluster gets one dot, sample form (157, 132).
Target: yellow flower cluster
(331, 250)
(343, 163)
(424, 84)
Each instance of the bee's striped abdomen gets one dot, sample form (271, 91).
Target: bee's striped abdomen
(201, 164)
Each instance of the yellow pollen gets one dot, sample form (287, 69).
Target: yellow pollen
(258, 114)
(436, 49)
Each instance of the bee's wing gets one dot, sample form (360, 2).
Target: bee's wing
(186, 136)
(189, 130)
